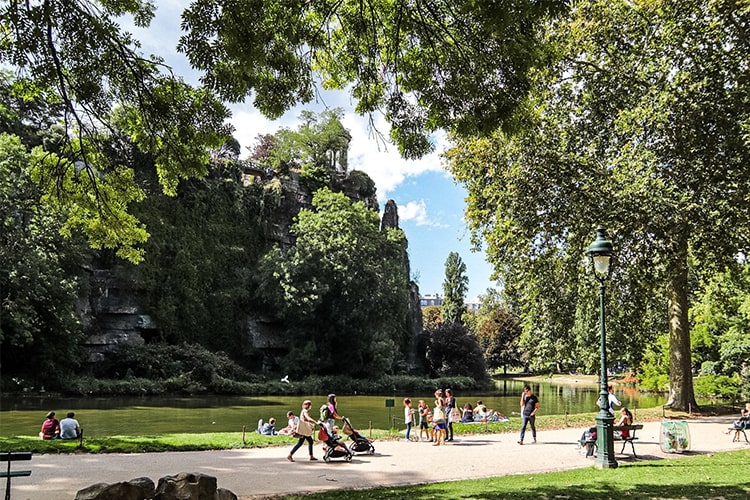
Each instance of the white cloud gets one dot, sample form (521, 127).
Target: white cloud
(413, 210)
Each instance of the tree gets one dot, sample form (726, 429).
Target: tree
(432, 316)
(498, 333)
(640, 125)
(457, 64)
(453, 351)
(40, 329)
(341, 290)
(455, 285)
(76, 55)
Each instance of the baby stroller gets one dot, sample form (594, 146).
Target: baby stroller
(361, 444)
(334, 447)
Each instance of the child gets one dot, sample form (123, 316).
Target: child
(408, 416)
(424, 412)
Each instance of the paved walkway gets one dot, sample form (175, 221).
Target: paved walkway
(265, 472)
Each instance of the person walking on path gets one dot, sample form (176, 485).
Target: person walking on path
(450, 406)
(329, 412)
(529, 408)
(305, 428)
(612, 400)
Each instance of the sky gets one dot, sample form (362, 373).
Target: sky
(430, 204)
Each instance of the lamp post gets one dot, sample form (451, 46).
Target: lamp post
(600, 254)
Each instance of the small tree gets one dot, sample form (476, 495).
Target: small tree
(455, 287)
(452, 351)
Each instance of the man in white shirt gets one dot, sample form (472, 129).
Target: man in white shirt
(69, 427)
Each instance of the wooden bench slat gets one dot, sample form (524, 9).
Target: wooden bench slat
(12, 456)
(15, 473)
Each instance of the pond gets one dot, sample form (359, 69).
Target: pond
(196, 414)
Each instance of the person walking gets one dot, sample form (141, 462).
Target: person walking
(529, 408)
(612, 400)
(305, 428)
(450, 406)
(329, 412)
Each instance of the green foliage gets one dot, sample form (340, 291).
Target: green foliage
(653, 374)
(432, 316)
(318, 149)
(498, 333)
(163, 368)
(40, 330)
(201, 257)
(460, 65)
(717, 386)
(653, 151)
(453, 350)
(74, 56)
(455, 286)
(721, 335)
(331, 288)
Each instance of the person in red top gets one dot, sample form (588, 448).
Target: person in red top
(50, 427)
(626, 418)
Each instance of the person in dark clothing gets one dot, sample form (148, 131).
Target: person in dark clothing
(450, 404)
(529, 408)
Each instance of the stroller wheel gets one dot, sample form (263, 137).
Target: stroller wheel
(371, 451)
(326, 458)
(349, 457)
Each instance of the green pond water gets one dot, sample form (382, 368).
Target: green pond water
(23, 415)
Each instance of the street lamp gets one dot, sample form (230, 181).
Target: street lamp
(600, 254)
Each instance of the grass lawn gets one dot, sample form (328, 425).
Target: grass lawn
(712, 476)
(229, 440)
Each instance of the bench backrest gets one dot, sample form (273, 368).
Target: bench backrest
(12, 456)
(633, 427)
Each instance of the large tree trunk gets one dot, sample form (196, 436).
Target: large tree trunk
(681, 395)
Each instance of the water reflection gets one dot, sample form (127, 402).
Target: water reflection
(154, 415)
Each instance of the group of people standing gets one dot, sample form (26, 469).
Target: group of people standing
(436, 424)
(67, 428)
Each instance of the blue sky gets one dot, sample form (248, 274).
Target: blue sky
(430, 203)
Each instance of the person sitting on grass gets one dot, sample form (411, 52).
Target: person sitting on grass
(269, 428)
(69, 427)
(50, 427)
(291, 424)
(467, 415)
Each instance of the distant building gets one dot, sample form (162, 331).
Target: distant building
(472, 305)
(430, 300)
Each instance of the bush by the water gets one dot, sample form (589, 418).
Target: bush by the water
(189, 369)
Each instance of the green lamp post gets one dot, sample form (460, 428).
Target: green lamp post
(600, 253)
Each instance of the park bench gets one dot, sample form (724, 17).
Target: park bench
(630, 439)
(13, 457)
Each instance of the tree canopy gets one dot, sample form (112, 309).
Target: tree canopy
(461, 65)
(76, 56)
(640, 125)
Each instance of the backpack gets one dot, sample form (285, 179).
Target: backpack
(325, 412)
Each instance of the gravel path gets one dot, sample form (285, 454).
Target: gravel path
(264, 472)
